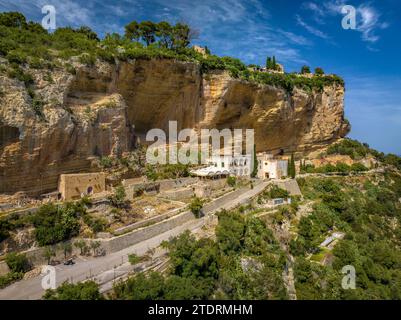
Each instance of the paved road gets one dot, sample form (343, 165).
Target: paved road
(31, 289)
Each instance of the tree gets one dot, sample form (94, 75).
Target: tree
(95, 245)
(230, 231)
(12, 19)
(49, 253)
(255, 163)
(17, 262)
(268, 62)
(291, 167)
(181, 36)
(319, 71)
(196, 206)
(88, 290)
(81, 245)
(305, 70)
(118, 198)
(88, 32)
(231, 181)
(147, 30)
(164, 31)
(132, 31)
(56, 223)
(67, 249)
(271, 63)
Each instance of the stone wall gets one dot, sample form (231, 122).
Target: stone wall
(72, 186)
(178, 194)
(131, 185)
(121, 242)
(4, 269)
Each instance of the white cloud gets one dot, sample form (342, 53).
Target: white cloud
(311, 29)
(368, 18)
(244, 23)
(369, 23)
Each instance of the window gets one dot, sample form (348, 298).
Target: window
(222, 164)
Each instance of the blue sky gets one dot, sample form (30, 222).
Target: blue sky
(296, 32)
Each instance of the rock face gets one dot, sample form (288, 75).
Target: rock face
(96, 111)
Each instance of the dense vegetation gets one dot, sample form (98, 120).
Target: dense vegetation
(244, 262)
(370, 219)
(53, 223)
(82, 291)
(18, 265)
(339, 168)
(25, 43)
(357, 150)
(167, 171)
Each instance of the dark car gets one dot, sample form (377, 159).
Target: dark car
(69, 262)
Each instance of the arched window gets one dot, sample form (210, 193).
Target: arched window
(89, 190)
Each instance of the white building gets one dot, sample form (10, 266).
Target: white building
(270, 168)
(239, 166)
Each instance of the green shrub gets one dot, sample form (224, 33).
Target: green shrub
(70, 68)
(231, 181)
(48, 77)
(276, 192)
(19, 74)
(319, 71)
(352, 148)
(36, 63)
(12, 19)
(106, 162)
(37, 106)
(18, 263)
(358, 167)
(196, 206)
(10, 278)
(118, 199)
(55, 224)
(7, 46)
(134, 259)
(88, 290)
(87, 59)
(96, 224)
(15, 56)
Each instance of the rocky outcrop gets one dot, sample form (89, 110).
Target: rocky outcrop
(96, 112)
(293, 122)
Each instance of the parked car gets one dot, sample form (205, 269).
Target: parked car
(69, 262)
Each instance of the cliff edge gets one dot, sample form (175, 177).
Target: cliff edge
(77, 113)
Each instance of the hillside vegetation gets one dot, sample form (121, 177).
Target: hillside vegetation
(27, 43)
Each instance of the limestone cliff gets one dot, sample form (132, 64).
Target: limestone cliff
(97, 110)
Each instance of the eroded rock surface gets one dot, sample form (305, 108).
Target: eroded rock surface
(97, 111)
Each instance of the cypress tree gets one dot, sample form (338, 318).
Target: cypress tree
(291, 167)
(268, 63)
(255, 163)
